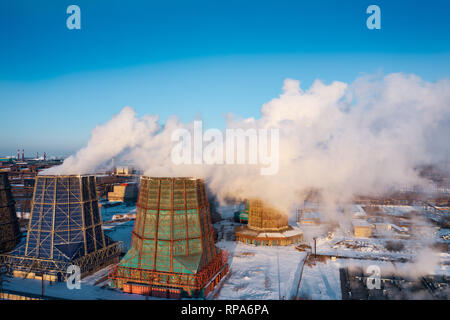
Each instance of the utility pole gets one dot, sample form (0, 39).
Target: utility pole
(279, 286)
(315, 246)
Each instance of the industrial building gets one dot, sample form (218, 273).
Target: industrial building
(65, 228)
(9, 226)
(242, 216)
(21, 173)
(125, 171)
(310, 213)
(267, 226)
(124, 192)
(172, 252)
(361, 228)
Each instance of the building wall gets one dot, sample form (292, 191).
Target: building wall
(123, 192)
(362, 231)
(9, 225)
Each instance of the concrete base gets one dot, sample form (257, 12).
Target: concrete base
(261, 238)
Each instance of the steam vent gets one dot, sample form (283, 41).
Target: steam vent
(172, 252)
(267, 226)
(9, 226)
(65, 228)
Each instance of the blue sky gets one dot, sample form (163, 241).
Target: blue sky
(196, 59)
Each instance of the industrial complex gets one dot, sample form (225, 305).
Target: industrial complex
(134, 236)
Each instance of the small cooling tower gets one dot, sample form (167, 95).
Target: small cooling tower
(9, 226)
(172, 251)
(65, 228)
(267, 226)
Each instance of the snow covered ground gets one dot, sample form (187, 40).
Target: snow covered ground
(107, 213)
(260, 273)
(263, 273)
(88, 290)
(399, 210)
(321, 282)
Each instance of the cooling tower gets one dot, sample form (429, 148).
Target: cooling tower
(172, 251)
(261, 217)
(9, 226)
(267, 226)
(65, 228)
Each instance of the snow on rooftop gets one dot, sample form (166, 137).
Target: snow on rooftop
(397, 228)
(294, 231)
(358, 211)
(399, 210)
(360, 223)
(271, 235)
(311, 215)
(321, 282)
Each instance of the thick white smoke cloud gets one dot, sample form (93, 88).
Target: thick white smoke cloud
(124, 131)
(343, 139)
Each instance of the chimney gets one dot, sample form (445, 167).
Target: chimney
(23, 155)
(37, 155)
(45, 156)
(18, 154)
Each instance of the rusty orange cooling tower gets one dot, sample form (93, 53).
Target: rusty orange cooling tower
(262, 217)
(172, 251)
(267, 226)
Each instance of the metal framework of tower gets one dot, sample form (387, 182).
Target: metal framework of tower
(9, 225)
(65, 228)
(267, 226)
(261, 217)
(172, 251)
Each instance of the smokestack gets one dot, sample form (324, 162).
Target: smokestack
(37, 155)
(113, 167)
(315, 246)
(23, 155)
(45, 156)
(18, 154)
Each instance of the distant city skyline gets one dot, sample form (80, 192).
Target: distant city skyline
(196, 59)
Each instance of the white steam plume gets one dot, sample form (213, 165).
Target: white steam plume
(343, 139)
